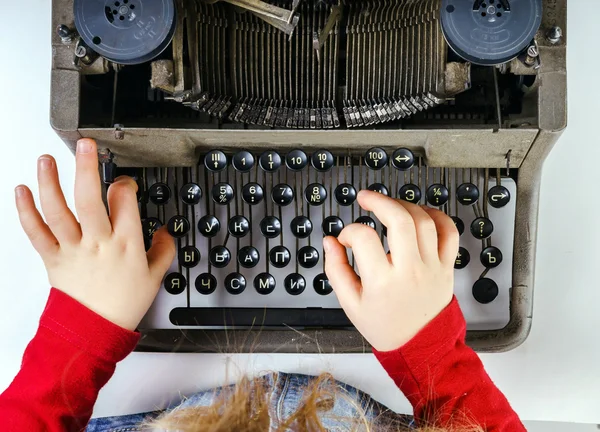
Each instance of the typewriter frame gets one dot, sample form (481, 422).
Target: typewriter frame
(483, 148)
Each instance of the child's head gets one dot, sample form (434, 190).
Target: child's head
(245, 407)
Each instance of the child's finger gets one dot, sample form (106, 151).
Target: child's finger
(161, 254)
(426, 232)
(88, 194)
(368, 251)
(34, 226)
(401, 233)
(58, 216)
(448, 238)
(341, 275)
(123, 207)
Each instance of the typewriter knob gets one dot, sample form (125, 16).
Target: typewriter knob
(280, 256)
(215, 161)
(206, 283)
(485, 291)
(238, 226)
(248, 257)
(175, 283)
(459, 224)
(321, 285)
(315, 194)
(498, 196)
(189, 256)
(294, 284)
(264, 283)
(222, 193)
(159, 193)
(270, 161)
(322, 160)
(491, 257)
(437, 195)
(403, 159)
(270, 227)
(282, 194)
(366, 220)
(410, 193)
(332, 226)
(252, 193)
(301, 226)
(235, 283)
(178, 226)
(308, 257)
(376, 158)
(243, 161)
(219, 256)
(379, 188)
(190, 194)
(482, 228)
(467, 194)
(296, 160)
(462, 258)
(209, 226)
(345, 194)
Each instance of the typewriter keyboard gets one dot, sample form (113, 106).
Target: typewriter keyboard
(249, 230)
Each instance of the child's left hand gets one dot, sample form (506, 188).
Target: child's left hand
(100, 261)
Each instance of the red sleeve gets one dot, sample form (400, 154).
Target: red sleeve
(444, 379)
(72, 356)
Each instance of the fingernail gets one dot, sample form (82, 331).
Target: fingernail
(84, 146)
(19, 191)
(45, 163)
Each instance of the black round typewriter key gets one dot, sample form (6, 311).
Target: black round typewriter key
(485, 291)
(235, 283)
(175, 283)
(345, 194)
(159, 194)
(467, 194)
(222, 193)
(264, 283)
(270, 227)
(463, 258)
(150, 226)
(243, 161)
(379, 188)
(491, 257)
(321, 285)
(248, 257)
(308, 257)
(403, 159)
(410, 193)
(459, 224)
(178, 226)
(322, 160)
(238, 226)
(332, 226)
(296, 160)
(252, 193)
(209, 226)
(376, 158)
(437, 195)
(206, 283)
(482, 228)
(282, 194)
(219, 256)
(294, 284)
(301, 227)
(315, 194)
(189, 256)
(270, 161)
(190, 194)
(280, 256)
(366, 220)
(498, 196)
(215, 161)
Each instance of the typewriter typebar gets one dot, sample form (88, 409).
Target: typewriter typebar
(251, 125)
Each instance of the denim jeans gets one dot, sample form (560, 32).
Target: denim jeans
(285, 398)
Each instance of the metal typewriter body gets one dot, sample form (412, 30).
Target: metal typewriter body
(460, 132)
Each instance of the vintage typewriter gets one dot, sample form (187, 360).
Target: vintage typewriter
(250, 126)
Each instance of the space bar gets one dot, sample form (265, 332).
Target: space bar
(259, 317)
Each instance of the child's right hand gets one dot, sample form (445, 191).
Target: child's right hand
(400, 293)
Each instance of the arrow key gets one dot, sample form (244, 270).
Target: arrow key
(498, 196)
(403, 159)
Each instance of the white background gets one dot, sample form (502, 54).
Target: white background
(555, 375)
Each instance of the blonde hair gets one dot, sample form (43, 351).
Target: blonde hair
(245, 408)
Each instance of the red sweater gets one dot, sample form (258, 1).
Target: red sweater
(75, 351)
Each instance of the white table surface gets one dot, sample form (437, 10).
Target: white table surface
(554, 375)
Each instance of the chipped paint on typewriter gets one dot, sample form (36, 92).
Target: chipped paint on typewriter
(251, 125)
